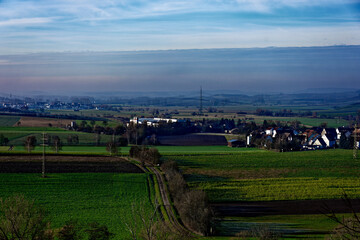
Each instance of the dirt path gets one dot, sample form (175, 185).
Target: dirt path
(254, 209)
(172, 218)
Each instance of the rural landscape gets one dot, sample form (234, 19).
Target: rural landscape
(247, 170)
(179, 120)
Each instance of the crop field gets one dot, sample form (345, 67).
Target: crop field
(86, 197)
(17, 135)
(8, 121)
(312, 226)
(253, 175)
(111, 124)
(88, 150)
(164, 150)
(42, 122)
(307, 121)
(280, 189)
(202, 150)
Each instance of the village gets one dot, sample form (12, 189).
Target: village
(282, 138)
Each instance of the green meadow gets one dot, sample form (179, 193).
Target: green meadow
(8, 121)
(266, 175)
(164, 150)
(17, 135)
(85, 197)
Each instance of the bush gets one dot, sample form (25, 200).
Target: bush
(192, 205)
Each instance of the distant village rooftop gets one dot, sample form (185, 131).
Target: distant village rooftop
(152, 121)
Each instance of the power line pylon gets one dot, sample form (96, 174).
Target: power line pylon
(201, 102)
(43, 155)
(355, 151)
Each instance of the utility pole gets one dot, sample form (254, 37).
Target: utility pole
(43, 157)
(355, 151)
(201, 102)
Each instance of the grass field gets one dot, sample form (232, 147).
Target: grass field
(111, 124)
(307, 121)
(264, 175)
(8, 121)
(17, 135)
(86, 197)
(164, 150)
(288, 226)
(280, 189)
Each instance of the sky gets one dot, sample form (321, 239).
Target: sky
(101, 45)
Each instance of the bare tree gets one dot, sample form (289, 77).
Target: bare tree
(30, 143)
(112, 148)
(348, 228)
(21, 219)
(140, 226)
(56, 143)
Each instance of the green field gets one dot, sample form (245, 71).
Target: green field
(8, 121)
(102, 197)
(164, 150)
(17, 135)
(92, 150)
(288, 226)
(280, 189)
(265, 175)
(307, 121)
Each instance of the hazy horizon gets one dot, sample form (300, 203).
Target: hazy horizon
(261, 46)
(246, 70)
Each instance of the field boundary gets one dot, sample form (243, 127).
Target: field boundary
(165, 205)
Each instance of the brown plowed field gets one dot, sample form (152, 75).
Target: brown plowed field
(42, 122)
(254, 209)
(65, 164)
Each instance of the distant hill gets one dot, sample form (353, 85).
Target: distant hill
(327, 90)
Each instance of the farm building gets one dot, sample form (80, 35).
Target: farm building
(154, 122)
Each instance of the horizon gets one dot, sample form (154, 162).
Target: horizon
(249, 46)
(260, 70)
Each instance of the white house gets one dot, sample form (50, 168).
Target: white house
(152, 121)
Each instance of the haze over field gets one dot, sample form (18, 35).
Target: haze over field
(262, 46)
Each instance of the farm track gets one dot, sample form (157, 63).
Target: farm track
(165, 199)
(296, 207)
(172, 218)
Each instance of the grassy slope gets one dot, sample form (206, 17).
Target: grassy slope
(102, 197)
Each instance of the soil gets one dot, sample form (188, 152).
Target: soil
(42, 122)
(255, 209)
(66, 164)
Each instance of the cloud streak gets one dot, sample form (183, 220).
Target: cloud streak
(64, 25)
(25, 21)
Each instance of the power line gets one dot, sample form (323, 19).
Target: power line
(200, 108)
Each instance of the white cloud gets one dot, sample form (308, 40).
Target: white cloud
(24, 21)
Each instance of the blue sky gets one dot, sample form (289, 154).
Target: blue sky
(108, 25)
(110, 45)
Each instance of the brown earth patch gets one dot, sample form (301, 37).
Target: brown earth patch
(65, 164)
(42, 122)
(241, 173)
